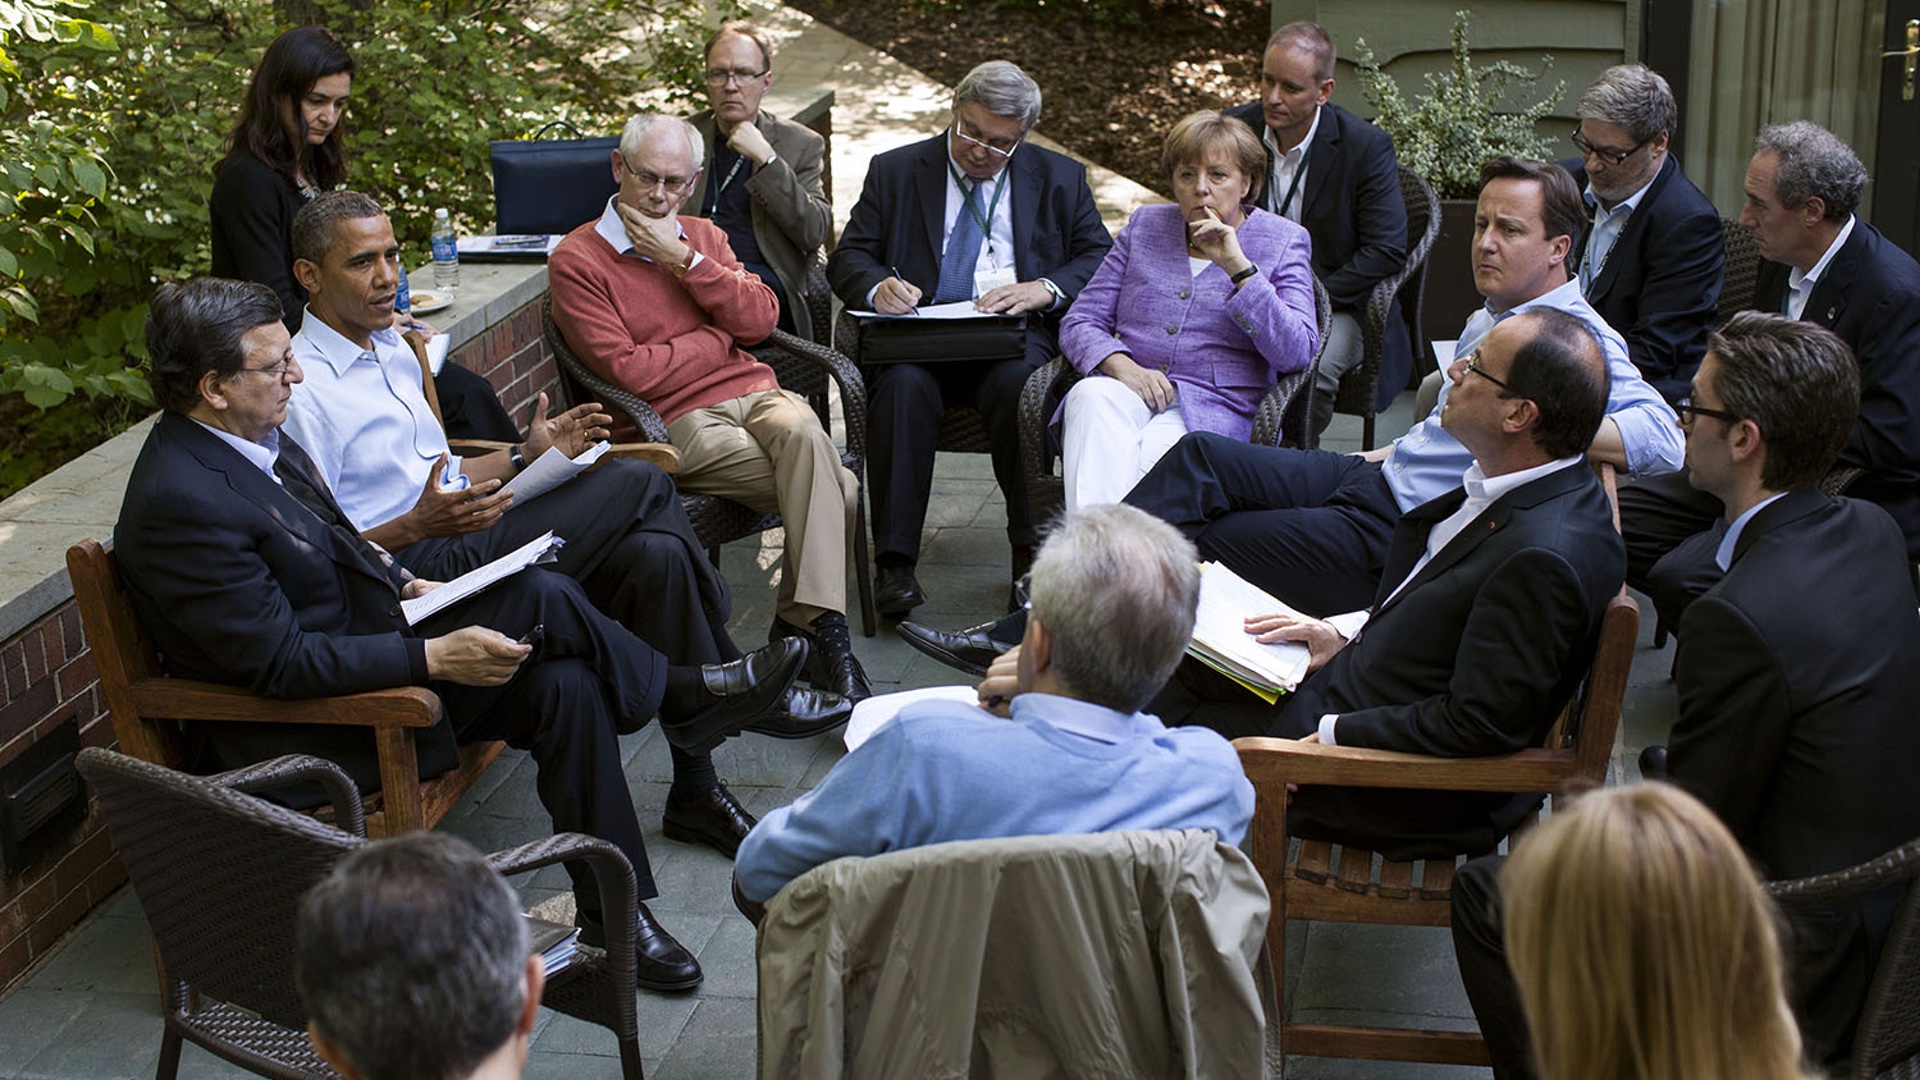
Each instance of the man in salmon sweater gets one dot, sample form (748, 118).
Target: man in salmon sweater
(657, 304)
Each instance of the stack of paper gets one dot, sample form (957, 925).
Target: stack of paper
(555, 943)
(473, 581)
(1221, 641)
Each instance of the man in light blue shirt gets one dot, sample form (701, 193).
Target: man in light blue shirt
(1113, 598)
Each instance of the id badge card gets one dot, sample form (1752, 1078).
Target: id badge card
(985, 281)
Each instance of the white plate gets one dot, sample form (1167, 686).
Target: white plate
(425, 303)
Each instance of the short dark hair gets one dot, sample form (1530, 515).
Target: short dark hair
(1563, 371)
(289, 68)
(745, 29)
(1310, 36)
(1798, 381)
(194, 327)
(1561, 210)
(1813, 163)
(314, 225)
(411, 958)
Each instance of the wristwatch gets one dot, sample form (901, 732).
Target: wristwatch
(1058, 296)
(680, 268)
(1243, 275)
(517, 459)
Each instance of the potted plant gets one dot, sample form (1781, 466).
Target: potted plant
(1461, 120)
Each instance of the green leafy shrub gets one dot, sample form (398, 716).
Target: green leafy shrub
(1447, 133)
(110, 129)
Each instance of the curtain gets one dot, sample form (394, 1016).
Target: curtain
(1760, 62)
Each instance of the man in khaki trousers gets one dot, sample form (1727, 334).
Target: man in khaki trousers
(658, 304)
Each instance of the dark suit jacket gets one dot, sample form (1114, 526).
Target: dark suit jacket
(1354, 212)
(1798, 675)
(1660, 285)
(238, 582)
(1475, 656)
(901, 218)
(1870, 296)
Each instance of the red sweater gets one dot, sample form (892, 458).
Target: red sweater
(671, 341)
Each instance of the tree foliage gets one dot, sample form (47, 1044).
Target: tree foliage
(113, 117)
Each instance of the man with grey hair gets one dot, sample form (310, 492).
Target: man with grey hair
(657, 304)
(1653, 260)
(1337, 176)
(761, 182)
(412, 960)
(968, 215)
(1113, 598)
(1825, 266)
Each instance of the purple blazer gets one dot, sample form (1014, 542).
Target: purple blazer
(1221, 349)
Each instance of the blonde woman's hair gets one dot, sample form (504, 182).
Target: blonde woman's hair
(1644, 947)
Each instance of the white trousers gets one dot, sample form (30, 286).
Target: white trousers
(1109, 439)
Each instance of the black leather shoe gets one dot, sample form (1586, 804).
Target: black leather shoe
(806, 712)
(896, 591)
(969, 650)
(714, 818)
(831, 665)
(659, 962)
(745, 690)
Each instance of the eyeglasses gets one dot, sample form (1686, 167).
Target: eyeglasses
(1472, 366)
(722, 76)
(277, 371)
(1689, 412)
(987, 146)
(674, 185)
(1605, 153)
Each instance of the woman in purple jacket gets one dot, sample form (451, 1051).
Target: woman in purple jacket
(1191, 317)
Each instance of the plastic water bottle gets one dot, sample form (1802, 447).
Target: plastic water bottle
(446, 252)
(403, 295)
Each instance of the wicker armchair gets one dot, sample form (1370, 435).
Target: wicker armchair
(1359, 392)
(220, 875)
(1887, 1040)
(718, 520)
(1283, 418)
(1743, 270)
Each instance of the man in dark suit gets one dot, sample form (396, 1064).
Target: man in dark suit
(761, 178)
(245, 570)
(1335, 174)
(1653, 260)
(1487, 612)
(970, 214)
(1796, 672)
(1827, 267)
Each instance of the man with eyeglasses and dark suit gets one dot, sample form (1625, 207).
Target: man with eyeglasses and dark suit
(971, 214)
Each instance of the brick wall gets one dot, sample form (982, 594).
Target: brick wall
(47, 676)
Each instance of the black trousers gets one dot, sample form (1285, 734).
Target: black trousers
(469, 409)
(904, 404)
(1309, 526)
(628, 542)
(1482, 956)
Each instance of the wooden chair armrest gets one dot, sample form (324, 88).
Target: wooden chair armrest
(663, 456)
(1270, 761)
(190, 699)
(476, 447)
